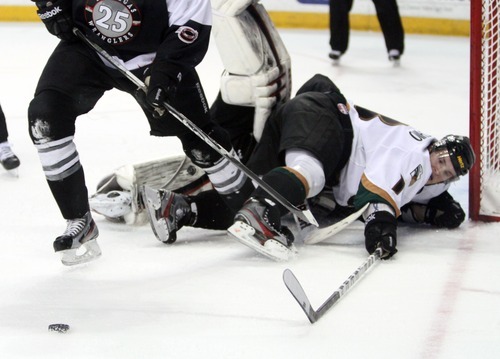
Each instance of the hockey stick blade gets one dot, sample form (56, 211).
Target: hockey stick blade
(322, 234)
(305, 215)
(300, 296)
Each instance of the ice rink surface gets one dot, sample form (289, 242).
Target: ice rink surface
(207, 296)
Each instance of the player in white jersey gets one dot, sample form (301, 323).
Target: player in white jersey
(318, 140)
(313, 145)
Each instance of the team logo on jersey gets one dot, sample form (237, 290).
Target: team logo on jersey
(417, 135)
(187, 34)
(114, 21)
(342, 108)
(399, 186)
(416, 174)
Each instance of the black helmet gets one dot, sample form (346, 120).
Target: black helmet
(460, 150)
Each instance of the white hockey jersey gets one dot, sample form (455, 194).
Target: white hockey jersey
(389, 162)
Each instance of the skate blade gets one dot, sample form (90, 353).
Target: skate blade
(396, 63)
(271, 248)
(151, 198)
(87, 252)
(152, 202)
(160, 229)
(13, 172)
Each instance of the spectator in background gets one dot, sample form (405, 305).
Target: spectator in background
(8, 159)
(388, 17)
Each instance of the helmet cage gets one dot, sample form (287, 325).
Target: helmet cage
(460, 151)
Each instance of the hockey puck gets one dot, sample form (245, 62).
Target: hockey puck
(60, 328)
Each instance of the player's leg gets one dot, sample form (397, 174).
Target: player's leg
(306, 148)
(169, 211)
(238, 121)
(339, 27)
(69, 86)
(8, 159)
(190, 100)
(4, 134)
(392, 27)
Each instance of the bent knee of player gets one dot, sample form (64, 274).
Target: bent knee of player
(200, 152)
(309, 167)
(50, 117)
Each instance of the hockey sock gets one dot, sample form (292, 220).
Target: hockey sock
(287, 184)
(71, 195)
(212, 211)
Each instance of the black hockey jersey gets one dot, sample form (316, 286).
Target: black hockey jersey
(176, 32)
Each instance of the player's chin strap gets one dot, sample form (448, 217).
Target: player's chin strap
(306, 215)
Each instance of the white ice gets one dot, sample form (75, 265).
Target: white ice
(207, 296)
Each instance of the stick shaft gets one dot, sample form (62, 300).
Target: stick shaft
(349, 283)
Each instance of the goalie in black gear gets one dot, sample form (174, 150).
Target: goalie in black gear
(256, 77)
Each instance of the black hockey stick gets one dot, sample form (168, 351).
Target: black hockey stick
(306, 215)
(299, 294)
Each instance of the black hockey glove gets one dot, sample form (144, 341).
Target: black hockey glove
(444, 211)
(56, 16)
(161, 88)
(381, 231)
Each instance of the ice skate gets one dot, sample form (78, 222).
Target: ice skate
(257, 225)
(167, 212)
(78, 243)
(395, 57)
(8, 159)
(335, 56)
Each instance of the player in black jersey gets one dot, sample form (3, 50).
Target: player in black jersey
(161, 42)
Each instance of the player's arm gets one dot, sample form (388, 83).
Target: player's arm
(184, 47)
(380, 218)
(440, 211)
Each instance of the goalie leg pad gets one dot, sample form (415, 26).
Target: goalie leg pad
(118, 199)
